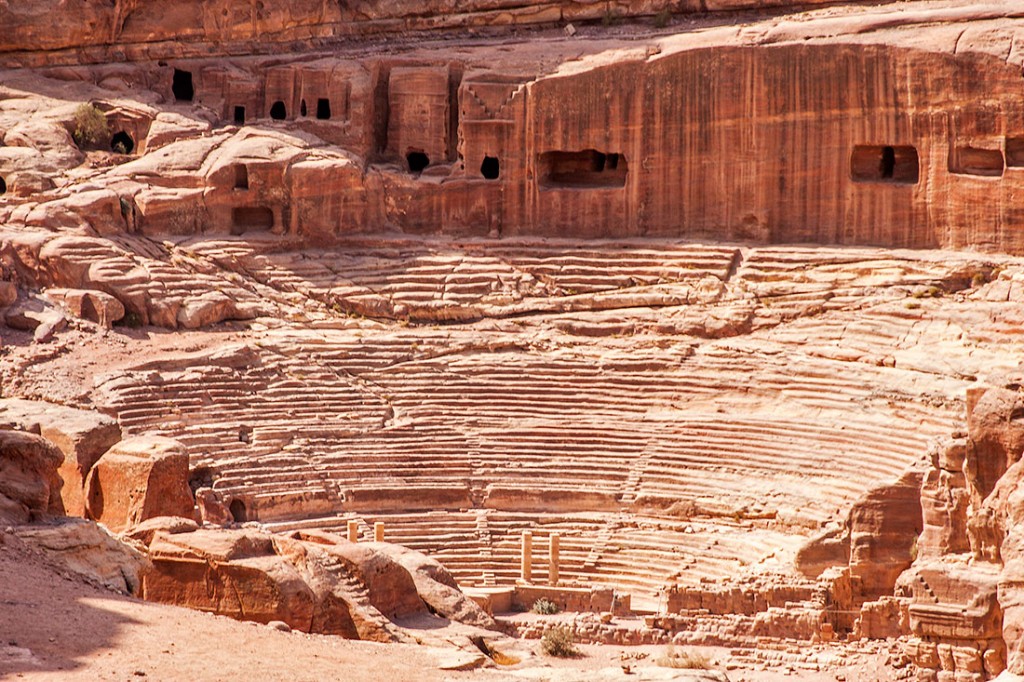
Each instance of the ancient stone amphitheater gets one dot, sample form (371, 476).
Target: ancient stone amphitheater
(701, 321)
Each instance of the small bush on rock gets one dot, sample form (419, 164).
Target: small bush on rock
(558, 642)
(690, 660)
(90, 126)
(545, 607)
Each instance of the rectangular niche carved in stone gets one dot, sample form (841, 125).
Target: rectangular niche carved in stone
(1015, 152)
(975, 161)
(323, 109)
(586, 169)
(251, 219)
(241, 176)
(897, 164)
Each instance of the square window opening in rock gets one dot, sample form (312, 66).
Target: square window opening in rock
(896, 164)
(582, 169)
(967, 160)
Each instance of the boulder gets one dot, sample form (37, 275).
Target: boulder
(171, 525)
(212, 509)
(206, 309)
(33, 315)
(438, 589)
(137, 479)
(827, 549)
(232, 573)
(82, 435)
(85, 304)
(29, 482)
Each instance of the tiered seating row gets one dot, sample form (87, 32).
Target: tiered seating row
(496, 427)
(484, 547)
(420, 274)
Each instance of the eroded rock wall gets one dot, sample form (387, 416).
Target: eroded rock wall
(963, 588)
(824, 143)
(46, 31)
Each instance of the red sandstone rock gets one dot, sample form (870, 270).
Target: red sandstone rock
(996, 531)
(32, 315)
(315, 582)
(248, 580)
(996, 433)
(86, 549)
(94, 306)
(883, 619)
(8, 293)
(884, 526)
(29, 482)
(438, 589)
(83, 436)
(172, 525)
(132, 24)
(137, 479)
(944, 501)
(876, 541)
(212, 509)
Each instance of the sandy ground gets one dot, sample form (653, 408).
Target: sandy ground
(57, 627)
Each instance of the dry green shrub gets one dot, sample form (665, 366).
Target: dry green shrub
(90, 126)
(558, 642)
(545, 607)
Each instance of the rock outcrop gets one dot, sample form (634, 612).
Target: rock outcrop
(963, 589)
(29, 482)
(86, 549)
(314, 582)
(81, 435)
(138, 479)
(877, 542)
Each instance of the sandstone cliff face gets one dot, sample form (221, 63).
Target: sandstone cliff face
(963, 588)
(716, 165)
(144, 27)
(738, 141)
